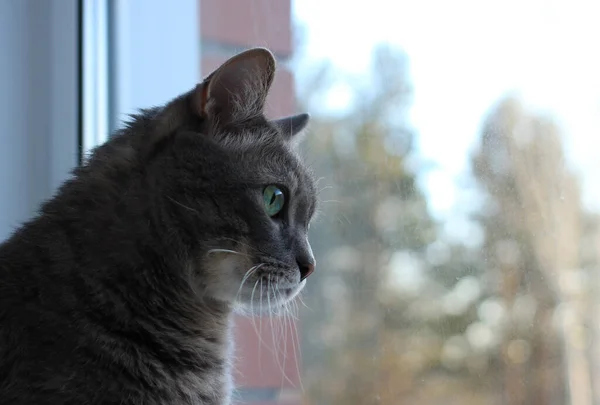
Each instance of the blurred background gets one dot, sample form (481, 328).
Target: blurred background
(457, 145)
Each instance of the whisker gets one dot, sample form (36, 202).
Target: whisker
(184, 206)
(211, 251)
(296, 347)
(271, 321)
(323, 189)
(289, 306)
(247, 275)
(284, 336)
(281, 312)
(286, 313)
(250, 248)
(297, 308)
(303, 303)
(260, 321)
(253, 317)
(258, 329)
(241, 243)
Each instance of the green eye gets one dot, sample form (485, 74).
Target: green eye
(274, 200)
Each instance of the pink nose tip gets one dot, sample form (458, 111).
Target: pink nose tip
(306, 270)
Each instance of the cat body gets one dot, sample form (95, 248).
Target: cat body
(122, 289)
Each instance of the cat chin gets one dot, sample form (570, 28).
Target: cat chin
(245, 310)
(276, 307)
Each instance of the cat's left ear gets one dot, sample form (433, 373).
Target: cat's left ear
(238, 89)
(291, 126)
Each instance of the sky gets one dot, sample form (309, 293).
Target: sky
(464, 56)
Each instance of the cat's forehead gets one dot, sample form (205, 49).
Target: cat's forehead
(249, 137)
(270, 158)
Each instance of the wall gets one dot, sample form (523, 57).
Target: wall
(38, 104)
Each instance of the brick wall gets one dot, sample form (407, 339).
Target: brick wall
(227, 27)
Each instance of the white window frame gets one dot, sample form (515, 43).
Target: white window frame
(137, 54)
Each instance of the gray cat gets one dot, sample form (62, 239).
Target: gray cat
(122, 289)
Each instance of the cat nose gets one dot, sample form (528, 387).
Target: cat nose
(306, 268)
(304, 258)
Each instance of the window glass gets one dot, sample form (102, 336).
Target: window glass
(457, 244)
(456, 146)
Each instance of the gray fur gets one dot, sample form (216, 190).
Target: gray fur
(122, 289)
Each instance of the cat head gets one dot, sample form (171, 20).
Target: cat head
(231, 185)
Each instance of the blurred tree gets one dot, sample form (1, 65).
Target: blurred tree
(379, 329)
(533, 241)
(399, 315)
(371, 210)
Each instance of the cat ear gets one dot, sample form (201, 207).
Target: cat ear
(237, 90)
(291, 126)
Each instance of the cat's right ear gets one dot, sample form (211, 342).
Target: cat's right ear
(237, 90)
(292, 126)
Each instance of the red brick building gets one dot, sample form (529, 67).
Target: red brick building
(227, 27)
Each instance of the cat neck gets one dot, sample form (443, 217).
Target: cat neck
(96, 252)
